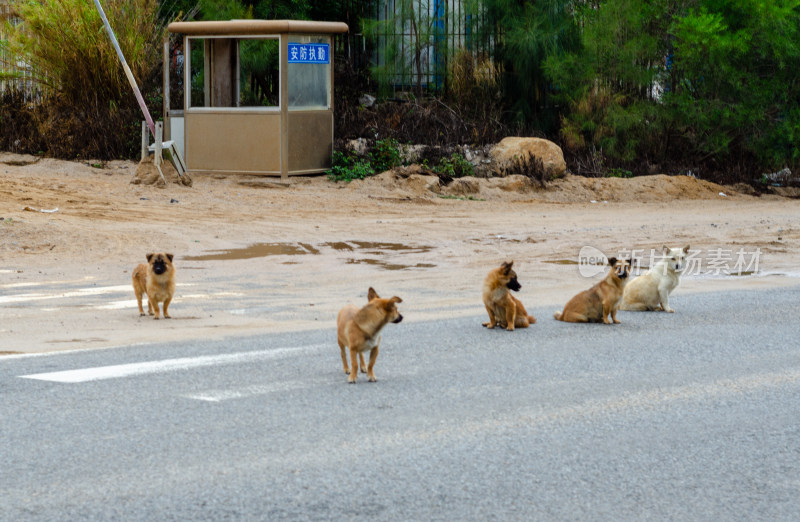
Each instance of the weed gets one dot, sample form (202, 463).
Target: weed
(347, 167)
(618, 173)
(456, 166)
(530, 166)
(385, 155)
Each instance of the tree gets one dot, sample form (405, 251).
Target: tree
(527, 33)
(710, 82)
(737, 63)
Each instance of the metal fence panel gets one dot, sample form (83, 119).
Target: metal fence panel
(15, 73)
(415, 41)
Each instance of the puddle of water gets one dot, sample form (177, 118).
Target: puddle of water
(339, 246)
(256, 250)
(394, 247)
(387, 266)
(297, 249)
(561, 261)
(311, 249)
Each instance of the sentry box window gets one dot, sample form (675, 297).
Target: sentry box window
(257, 96)
(225, 72)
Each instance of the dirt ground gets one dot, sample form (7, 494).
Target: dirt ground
(254, 255)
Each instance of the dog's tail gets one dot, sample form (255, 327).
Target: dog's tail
(531, 319)
(557, 316)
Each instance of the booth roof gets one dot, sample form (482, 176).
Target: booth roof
(256, 27)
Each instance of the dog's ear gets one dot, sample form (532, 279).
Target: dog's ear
(149, 257)
(507, 267)
(170, 256)
(612, 261)
(396, 299)
(666, 250)
(686, 249)
(372, 294)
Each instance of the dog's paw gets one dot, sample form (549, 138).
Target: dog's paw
(351, 381)
(488, 325)
(670, 310)
(372, 379)
(510, 328)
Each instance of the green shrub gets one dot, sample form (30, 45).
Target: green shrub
(385, 155)
(456, 166)
(618, 173)
(347, 167)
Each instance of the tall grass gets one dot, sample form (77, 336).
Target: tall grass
(64, 42)
(90, 110)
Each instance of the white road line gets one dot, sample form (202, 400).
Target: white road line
(42, 283)
(169, 365)
(81, 292)
(249, 391)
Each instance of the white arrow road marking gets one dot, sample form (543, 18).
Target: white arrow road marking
(170, 365)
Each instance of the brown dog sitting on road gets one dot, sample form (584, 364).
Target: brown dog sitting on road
(156, 278)
(358, 329)
(603, 299)
(503, 308)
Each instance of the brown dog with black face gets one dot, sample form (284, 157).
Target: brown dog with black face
(603, 299)
(503, 308)
(358, 329)
(156, 278)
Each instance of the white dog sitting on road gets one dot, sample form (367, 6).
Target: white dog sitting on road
(650, 291)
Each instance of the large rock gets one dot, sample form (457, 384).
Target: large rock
(504, 153)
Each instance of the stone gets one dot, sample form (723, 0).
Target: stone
(504, 153)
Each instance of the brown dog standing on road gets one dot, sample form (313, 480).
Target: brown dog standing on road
(156, 278)
(603, 299)
(359, 330)
(503, 308)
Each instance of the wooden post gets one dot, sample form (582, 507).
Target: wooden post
(145, 140)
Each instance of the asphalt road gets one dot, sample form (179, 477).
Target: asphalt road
(686, 416)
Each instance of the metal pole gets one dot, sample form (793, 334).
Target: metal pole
(127, 69)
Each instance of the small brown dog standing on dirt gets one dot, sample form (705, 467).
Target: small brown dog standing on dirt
(504, 309)
(359, 330)
(156, 278)
(601, 300)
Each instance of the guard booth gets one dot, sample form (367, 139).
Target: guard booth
(257, 96)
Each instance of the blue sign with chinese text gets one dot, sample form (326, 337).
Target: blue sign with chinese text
(309, 53)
